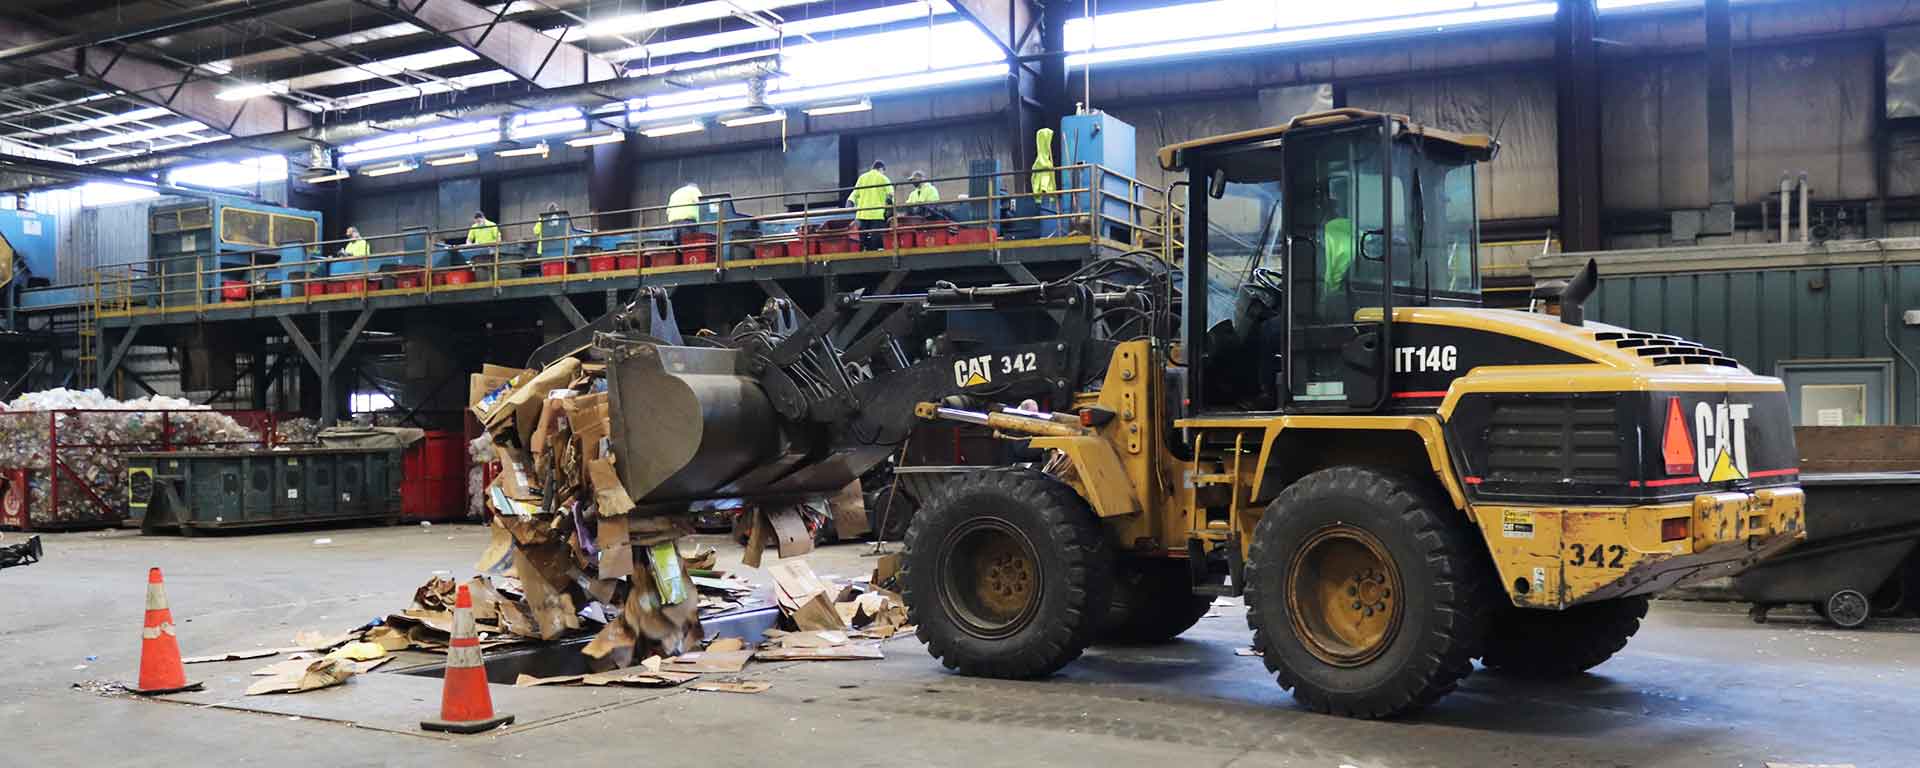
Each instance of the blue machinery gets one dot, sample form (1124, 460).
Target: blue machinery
(207, 244)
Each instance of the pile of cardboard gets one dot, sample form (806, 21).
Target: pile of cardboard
(566, 530)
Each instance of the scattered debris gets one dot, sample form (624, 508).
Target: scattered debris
(1247, 652)
(745, 686)
(258, 653)
(323, 673)
(816, 646)
(25, 553)
(104, 687)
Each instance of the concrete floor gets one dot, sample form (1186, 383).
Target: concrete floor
(1700, 686)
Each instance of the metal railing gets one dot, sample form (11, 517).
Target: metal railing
(1095, 206)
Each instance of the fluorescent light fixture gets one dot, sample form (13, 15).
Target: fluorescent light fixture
(735, 121)
(673, 129)
(389, 169)
(669, 17)
(141, 182)
(539, 149)
(839, 107)
(880, 85)
(455, 158)
(324, 175)
(1428, 22)
(598, 138)
(250, 90)
(435, 140)
(792, 28)
(231, 174)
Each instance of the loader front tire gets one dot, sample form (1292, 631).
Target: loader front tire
(1542, 644)
(1006, 574)
(1367, 596)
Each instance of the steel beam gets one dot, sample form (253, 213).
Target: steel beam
(1719, 119)
(568, 310)
(1577, 84)
(888, 284)
(112, 362)
(218, 12)
(152, 82)
(546, 62)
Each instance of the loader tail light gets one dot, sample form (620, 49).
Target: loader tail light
(1676, 446)
(1675, 529)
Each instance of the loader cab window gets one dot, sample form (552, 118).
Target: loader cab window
(1343, 240)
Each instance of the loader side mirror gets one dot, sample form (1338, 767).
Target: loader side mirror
(1217, 183)
(1373, 245)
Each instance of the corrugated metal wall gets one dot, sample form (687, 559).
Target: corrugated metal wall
(1763, 317)
(1517, 108)
(523, 198)
(1797, 107)
(386, 212)
(944, 151)
(103, 236)
(741, 174)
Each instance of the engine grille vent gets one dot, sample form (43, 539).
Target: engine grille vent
(1667, 349)
(1553, 441)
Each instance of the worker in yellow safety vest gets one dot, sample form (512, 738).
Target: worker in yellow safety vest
(557, 220)
(872, 193)
(356, 247)
(483, 231)
(683, 210)
(921, 199)
(1045, 180)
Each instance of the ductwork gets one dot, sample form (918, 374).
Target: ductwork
(335, 134)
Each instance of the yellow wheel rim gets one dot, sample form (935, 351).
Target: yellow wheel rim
(991, 578)
(1343, 594)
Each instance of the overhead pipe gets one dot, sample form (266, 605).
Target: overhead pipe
(211, 13)
(1805, 191)
(1786, 206)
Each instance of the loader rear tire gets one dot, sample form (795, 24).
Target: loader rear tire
(1153, 602)
(1542, 644)
(1367, 596)
(1007, 574)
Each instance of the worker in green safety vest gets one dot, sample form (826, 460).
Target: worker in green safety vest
(872, 193)
(1045, 180)
(356, 247)
(553, 219)
(921, 198)
(483, 231)
(683, 210)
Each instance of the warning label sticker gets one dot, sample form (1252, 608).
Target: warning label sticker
(1516, 523)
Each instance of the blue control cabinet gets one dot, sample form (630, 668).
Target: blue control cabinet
(1097, 138)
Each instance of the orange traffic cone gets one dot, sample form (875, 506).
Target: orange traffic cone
(160, 667)
(465, 705)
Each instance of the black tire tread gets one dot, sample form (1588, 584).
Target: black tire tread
(1543, 644)
(1086, 558)
(1458, 564)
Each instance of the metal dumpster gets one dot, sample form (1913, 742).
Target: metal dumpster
(193, 491)
(1860, 527)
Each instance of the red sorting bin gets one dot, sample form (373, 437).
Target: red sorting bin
(233, 290)
(554, 268)
(356, 285)
(433, 484)
(973, 236)
(899, 239)
(696, 255)
(453, 277)
(607, 263)
(932, 237)
(629, 261)
(769, 250)
(407, 280)
(663, 257)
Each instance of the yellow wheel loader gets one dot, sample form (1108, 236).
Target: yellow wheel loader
(1309, 409)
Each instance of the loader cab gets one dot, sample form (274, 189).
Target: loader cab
(1303, 238)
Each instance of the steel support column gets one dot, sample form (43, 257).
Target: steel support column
(1577, 85)
(1719, 119)
(325, 360)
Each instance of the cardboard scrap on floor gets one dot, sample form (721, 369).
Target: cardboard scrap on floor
(258, 653)
(323, 673)
(822, 645)
(744, 686)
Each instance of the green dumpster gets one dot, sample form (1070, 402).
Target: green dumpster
(205, 490)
